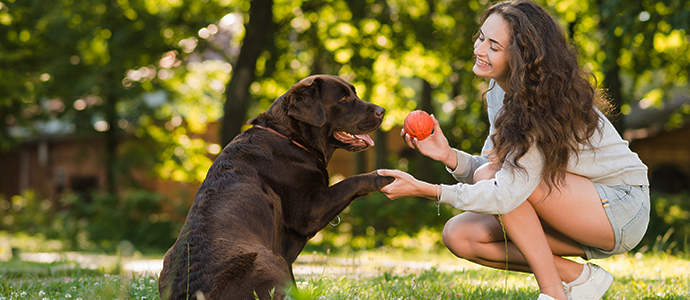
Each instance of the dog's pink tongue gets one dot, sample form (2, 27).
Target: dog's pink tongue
(365, 138)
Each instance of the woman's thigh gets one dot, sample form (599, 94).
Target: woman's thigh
(573, 213)
(463, 232)
(574, 210)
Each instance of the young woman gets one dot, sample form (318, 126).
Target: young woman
(554, 173)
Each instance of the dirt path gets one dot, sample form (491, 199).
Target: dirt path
(306, 265)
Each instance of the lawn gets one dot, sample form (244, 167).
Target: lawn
(376, 274)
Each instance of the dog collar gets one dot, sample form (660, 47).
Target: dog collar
(284, 136)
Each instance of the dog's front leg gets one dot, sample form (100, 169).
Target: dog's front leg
(333, 200)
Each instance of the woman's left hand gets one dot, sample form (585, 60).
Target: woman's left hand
(435, 146)
(405, 185)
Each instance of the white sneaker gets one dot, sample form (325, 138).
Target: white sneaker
(545, 297)
(594, 288)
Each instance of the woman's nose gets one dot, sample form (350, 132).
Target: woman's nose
(479, 48)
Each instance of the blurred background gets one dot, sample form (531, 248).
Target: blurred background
(111, 111)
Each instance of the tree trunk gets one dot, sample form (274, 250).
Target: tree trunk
(360, 158)
(423, 171)
(111, 143)
(612, 84)
(381, 149)
(259, 30)
(611, 44)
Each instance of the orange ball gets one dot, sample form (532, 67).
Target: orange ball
(419, 124)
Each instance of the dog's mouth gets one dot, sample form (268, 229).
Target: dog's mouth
(355, 140)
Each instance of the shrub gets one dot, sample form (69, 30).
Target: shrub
(669, 225)
(99, 223)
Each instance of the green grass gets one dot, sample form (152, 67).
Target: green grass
(80, 287)
(377, 274)
(638, 276)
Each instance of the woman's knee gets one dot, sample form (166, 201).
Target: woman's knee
(452, 231)
(462, 231)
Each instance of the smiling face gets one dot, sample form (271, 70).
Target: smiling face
(490, 50)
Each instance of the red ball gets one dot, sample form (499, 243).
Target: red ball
(419, 124)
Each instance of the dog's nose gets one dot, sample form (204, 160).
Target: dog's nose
(380, 111)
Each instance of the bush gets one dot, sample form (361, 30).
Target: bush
(669, 227)
(375, 221)
(99, 223)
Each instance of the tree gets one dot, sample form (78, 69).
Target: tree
(161, 71)
(259, 32)
(90, 66)
(636, 50)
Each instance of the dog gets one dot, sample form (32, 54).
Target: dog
(268, 193)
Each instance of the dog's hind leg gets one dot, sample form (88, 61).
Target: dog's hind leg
(262, 272)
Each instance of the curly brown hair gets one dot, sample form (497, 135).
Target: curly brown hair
(549, 100)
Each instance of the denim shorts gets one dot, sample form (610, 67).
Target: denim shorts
(627, 208)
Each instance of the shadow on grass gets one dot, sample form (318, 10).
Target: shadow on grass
(28, 269)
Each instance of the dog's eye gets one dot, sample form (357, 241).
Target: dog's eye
(345, 98)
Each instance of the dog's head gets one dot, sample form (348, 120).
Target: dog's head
(332, 105)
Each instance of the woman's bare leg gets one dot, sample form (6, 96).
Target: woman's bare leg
(479, 238)
(524, 229)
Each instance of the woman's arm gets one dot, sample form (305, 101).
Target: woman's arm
(461, 164)
(507, 190)
(499, 195)
(405, 185)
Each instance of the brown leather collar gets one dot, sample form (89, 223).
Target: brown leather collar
(284, 136)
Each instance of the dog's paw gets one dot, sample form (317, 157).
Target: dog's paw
(380, 181)
(386, 180)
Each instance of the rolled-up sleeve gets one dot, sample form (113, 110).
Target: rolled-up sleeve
(467, 164)
(510, 187)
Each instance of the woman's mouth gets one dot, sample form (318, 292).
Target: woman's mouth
(483, 63)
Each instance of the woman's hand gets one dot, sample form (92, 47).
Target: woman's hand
(405, 185)
(435, 146)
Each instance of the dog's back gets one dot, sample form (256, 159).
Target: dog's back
(214, 254)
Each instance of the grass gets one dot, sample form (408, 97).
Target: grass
(78, 285)
(638, 276)
(375, 274)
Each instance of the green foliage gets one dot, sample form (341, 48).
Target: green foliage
(643, 47)
(156, 72)
(99, 222)
(106, 68)
(375, 221)
(669, 228)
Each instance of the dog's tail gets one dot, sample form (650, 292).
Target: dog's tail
(186, 277)
(252, 273)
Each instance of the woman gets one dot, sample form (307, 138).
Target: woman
(554, 173)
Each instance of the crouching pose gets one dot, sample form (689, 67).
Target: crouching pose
(554, 173)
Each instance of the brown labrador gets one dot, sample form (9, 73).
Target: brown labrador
(268, 193)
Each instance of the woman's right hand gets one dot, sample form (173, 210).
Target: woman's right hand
(405, 185)
(435, 146)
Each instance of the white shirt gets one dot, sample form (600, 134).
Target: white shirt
(610, 162)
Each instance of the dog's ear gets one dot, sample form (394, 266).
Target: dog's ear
(304, 102)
